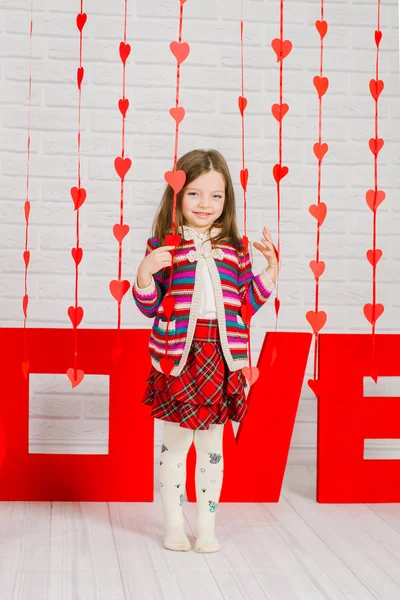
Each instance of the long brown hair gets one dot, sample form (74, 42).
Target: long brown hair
(194, 164)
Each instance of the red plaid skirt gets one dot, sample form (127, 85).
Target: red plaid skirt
(205, 392)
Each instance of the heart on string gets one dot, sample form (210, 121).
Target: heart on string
(124, 51)
(166, 364)
(116, 353)
(316, 319)
(122, 166)
(246, 312)
(242, 101)
(180, 50)
(374, 256)
(75, 377)
(318, 211)
(244, 177)
(378, 37)
(172, 240)
(123, 105)
(118, 289)
(78, 196)
(281, 48)
(245, 240)
(168, 304)
(279, 111)
(317, 267)
(322, 28)
(314, 384)
(76, 315)
(182, 2)
(251, 374)
(27, 209)
(79, 76)
(120, 231)
(375, 145)
(176, 179)
(279, 172)
(277, 304)
(27, 257)
(81, 20)
(321, 85)
(25, 368)
(25, 300)
(320, 150)
(374, 199)
(368, 312)
(375, 87)
(178, 114)
(77, 254)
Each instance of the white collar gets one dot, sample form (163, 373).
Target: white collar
(190, 234)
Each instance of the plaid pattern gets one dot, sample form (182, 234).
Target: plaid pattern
(205, 392)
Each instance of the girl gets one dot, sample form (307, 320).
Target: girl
(197, 351)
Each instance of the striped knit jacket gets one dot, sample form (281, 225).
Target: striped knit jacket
(234, 284)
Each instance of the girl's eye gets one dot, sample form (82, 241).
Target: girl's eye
(216, 196)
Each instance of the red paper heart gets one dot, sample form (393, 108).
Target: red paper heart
(75, 377)
(321, 85)
(320, 150)
(119, 288)
(172, 240)
(180, 51)
(242, 101)
(251, 374)
(27, 209)
(277, 305)
(376, 87)
(375, 199)
(81, 20)
(176, 179)
(124, 51)
(25, 300)
(316, 319)
(378, 37)
(245, 243)
(168, 304)
(315, 385)
(281, 48)
(120, 231)
(123, 105)
(279, 111)
(122, 166)
(25, 369)
(246, 312)
(182, 2)
(76, 315)
(279, 172)
(166, 364)
(322, 28)
(317, 267)
(78, 196)
(244, 177)
(79, 76)
(27, 257)
(116, 353)
(375, 145)
(178, 114)
(374, 256)
(77, 254)
(368, 310)
(318, 211)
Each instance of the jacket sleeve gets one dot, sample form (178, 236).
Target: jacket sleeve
(254, 289)
(149, 299)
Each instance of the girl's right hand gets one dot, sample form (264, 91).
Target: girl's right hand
(156, 259)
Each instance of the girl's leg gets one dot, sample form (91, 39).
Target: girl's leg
(209, 475)
(176, 444)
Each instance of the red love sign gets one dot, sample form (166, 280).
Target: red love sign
(245, 243)
(281, 48)
(81, 20)
(369, 312)
(79, 76)
(120, 231)
(322, 28)
(279, 172)
(251, 374)
(27, 210)
(166, 364)
(118, 289)
(375, 87)
(242, 101)
(76, 315)
(374, 199)
(375, 145)
(78, 196)
(27, 257)
(315, 385)
(168, 304)
(244, 177)
(374, 256)
(123, 105)
(178, 114)
(320, 150)
(317, 267)
(124, 51)
(25, 304)
(172, 240)
(277, 305)
(176, 179)
(279, 111)
(318, 211)
(316, 319)
(77, 254)
(122, 166)
(180, 50)
(75, 377)
(321, 85)
(378, 37)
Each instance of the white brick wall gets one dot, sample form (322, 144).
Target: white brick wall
(210, 85)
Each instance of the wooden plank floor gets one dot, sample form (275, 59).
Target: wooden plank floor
(295, 549)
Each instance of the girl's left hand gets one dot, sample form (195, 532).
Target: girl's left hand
(268, 249)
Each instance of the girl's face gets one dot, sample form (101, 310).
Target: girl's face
(206, 194)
